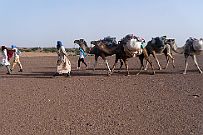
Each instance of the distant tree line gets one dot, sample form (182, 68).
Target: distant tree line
(70, 51)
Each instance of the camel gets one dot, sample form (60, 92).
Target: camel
(192, 48)
(161, 45)
(100, 50)
(103, 50)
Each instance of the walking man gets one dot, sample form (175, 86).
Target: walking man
(81, 58)
(16, 59)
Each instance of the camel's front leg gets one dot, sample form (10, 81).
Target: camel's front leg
(126, 65)
(121, 64)
(186, 65)
(146, 66)
(146, 56)
(114, 66)
(173, 59)
(167, 61)
(151, 65)
(95, 63)
(107, 64)
(154, 55)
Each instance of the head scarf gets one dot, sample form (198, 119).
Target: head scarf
(13, 46)
(59, 44)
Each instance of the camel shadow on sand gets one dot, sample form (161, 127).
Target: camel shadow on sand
(90, 72)
(29, 75)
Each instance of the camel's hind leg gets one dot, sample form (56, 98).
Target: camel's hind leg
(115, 63)
(186, 64)
(146, 56)
(168, 55)
(195, 60)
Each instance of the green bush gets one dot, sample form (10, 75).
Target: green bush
(52, 49)
(35, 49)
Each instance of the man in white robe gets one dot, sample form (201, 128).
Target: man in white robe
(5, 61)
(63, 63)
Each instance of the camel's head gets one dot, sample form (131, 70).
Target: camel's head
(170, 41)
(94, 49)
(82, 43)
(96, 42)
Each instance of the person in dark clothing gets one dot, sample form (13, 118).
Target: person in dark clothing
(81, 58)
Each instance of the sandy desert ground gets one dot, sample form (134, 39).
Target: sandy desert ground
(91, 103)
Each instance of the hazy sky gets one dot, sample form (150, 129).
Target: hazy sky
(29, 23)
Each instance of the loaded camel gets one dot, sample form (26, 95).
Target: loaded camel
(162, 45)
(192, 48)
(99, 50)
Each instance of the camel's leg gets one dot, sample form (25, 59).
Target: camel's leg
(195, 60)
(151, 65)
(172, 58)
(154, 55)
(126, 65)
(114, 66)
(168, 54)
(107, 64)
(167, 60)
(186, 64)
(121, 64)
(146, 66)
(95, 63)
(141, 57)
(146, 56)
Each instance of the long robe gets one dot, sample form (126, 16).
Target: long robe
(63, 63)
(16, 59)
(4, 61)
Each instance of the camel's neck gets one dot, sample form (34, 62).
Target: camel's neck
(85, 46)
(179, 50)
(174, 46)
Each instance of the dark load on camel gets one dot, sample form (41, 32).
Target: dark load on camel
(110, 41)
